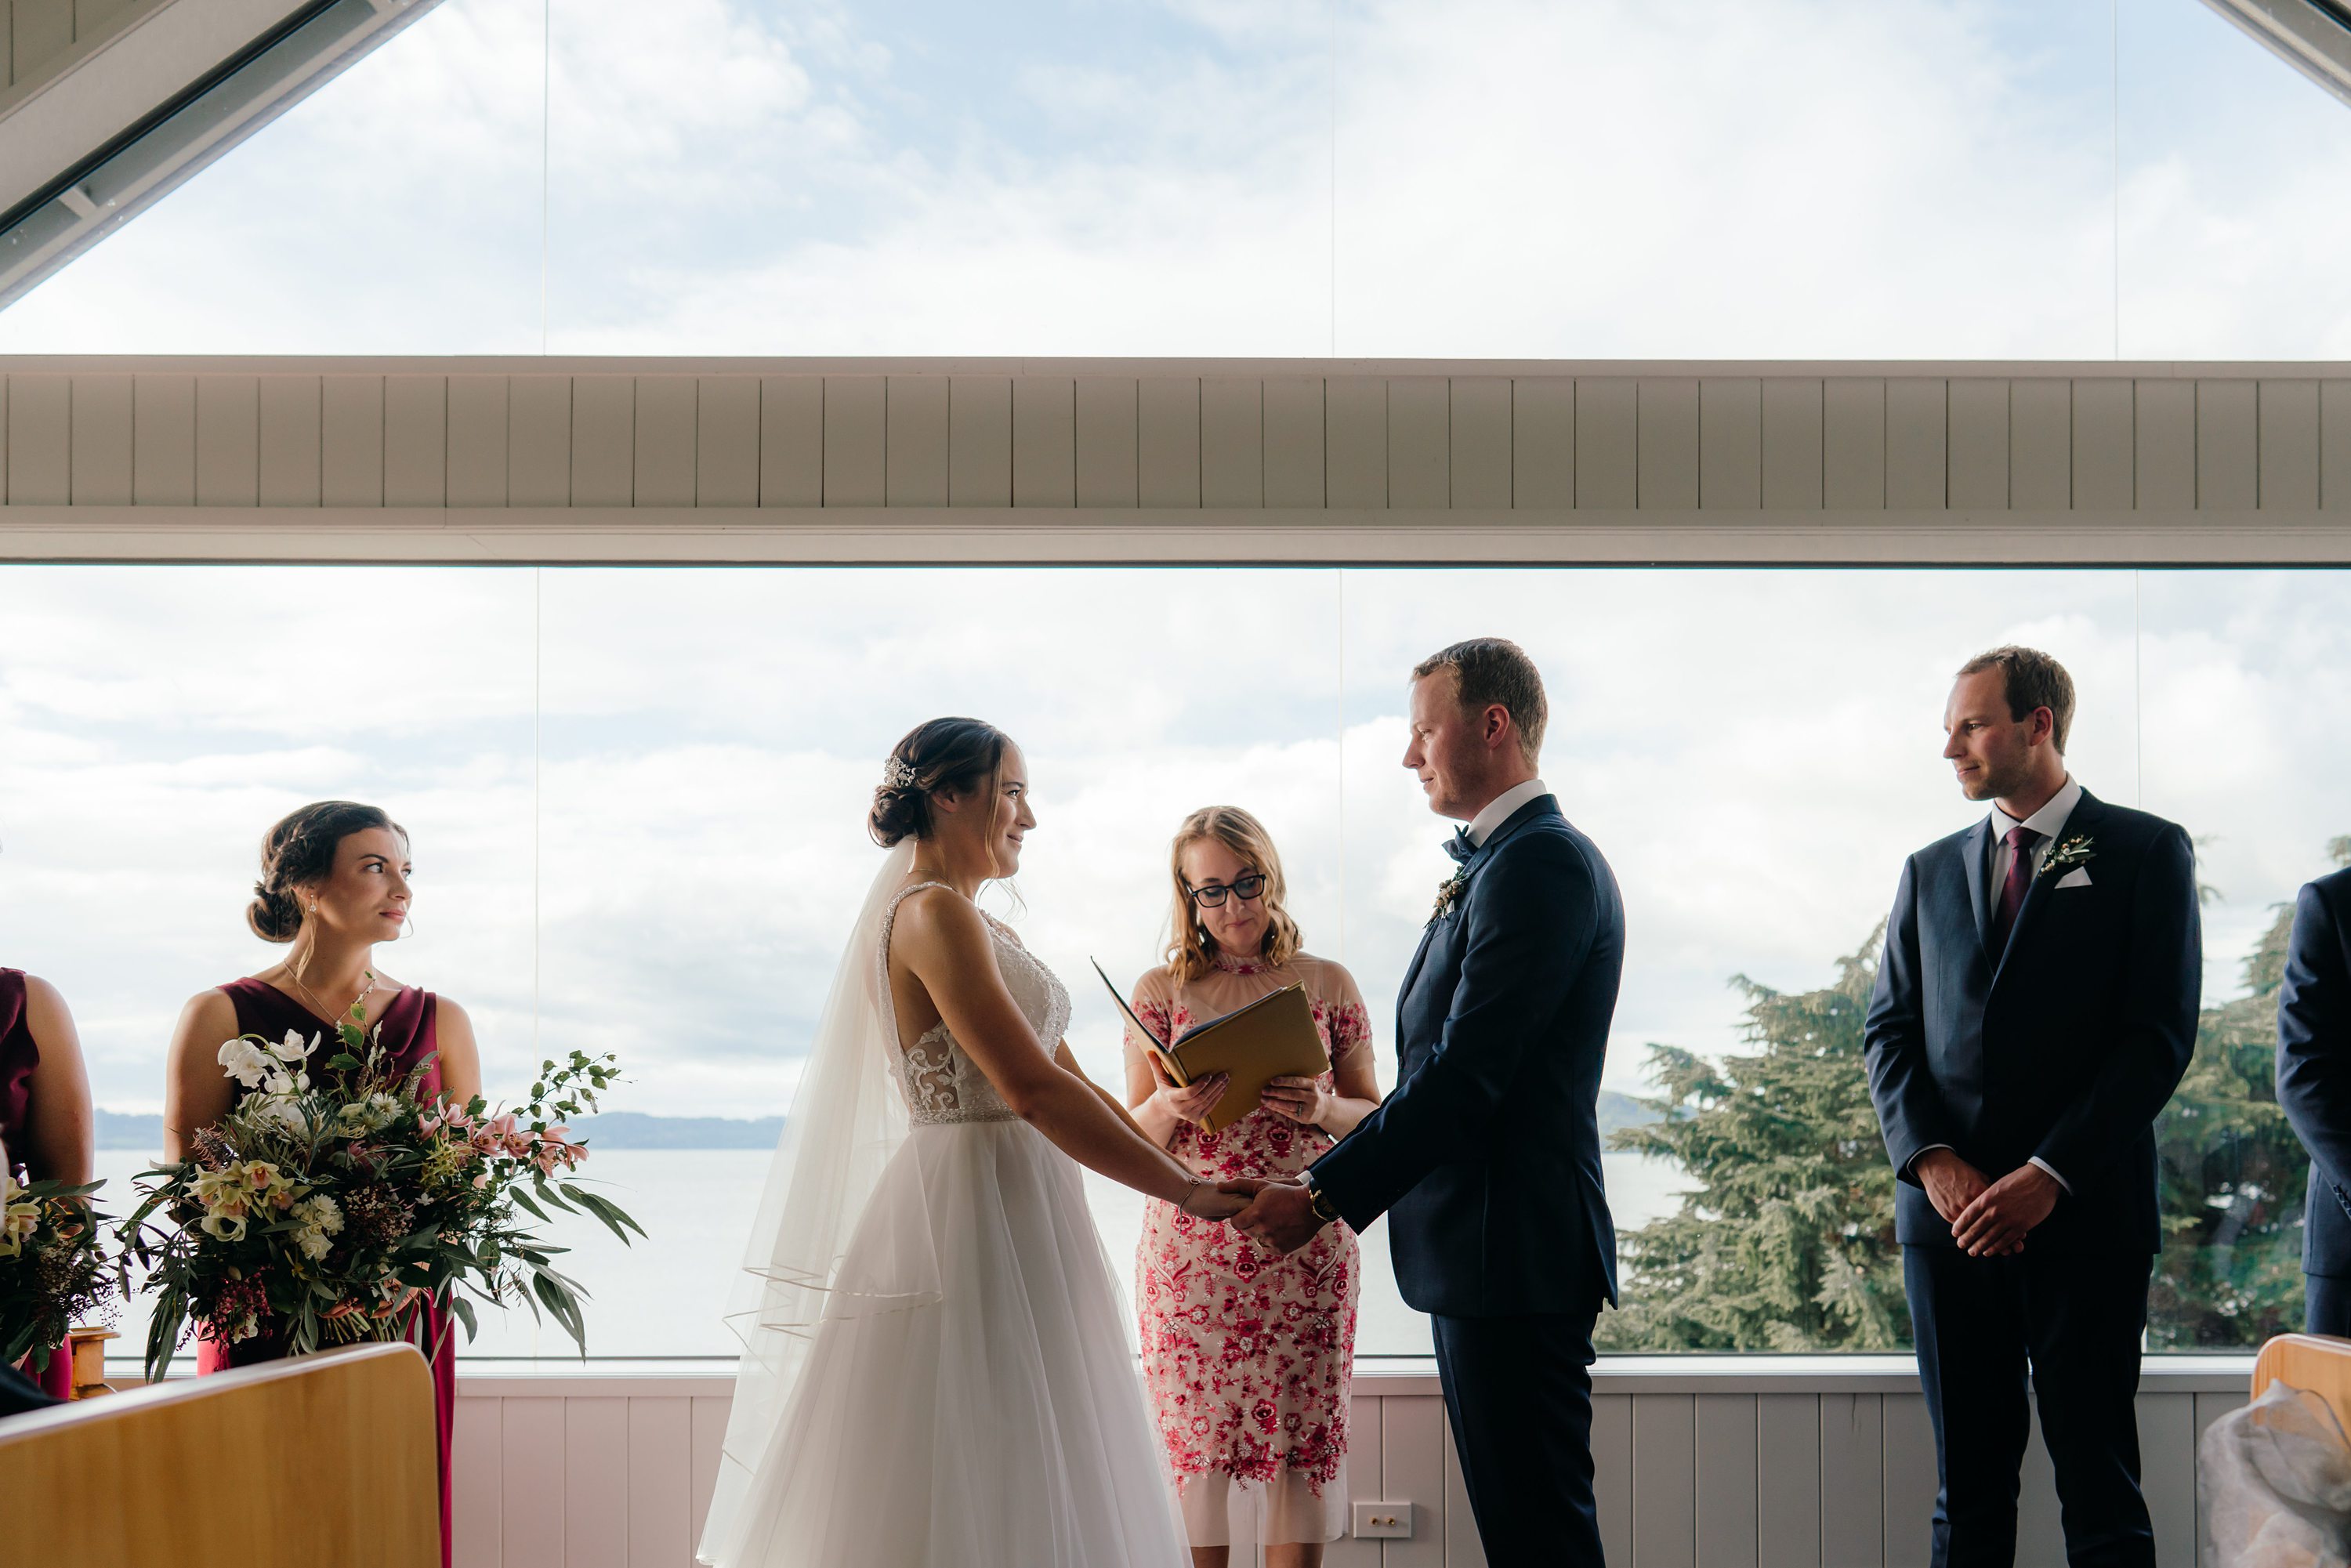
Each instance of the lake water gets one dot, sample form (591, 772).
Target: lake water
(662, 1297)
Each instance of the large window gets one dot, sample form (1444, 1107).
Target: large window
(2049, 179)
(637, 800)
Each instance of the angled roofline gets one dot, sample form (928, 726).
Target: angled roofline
(2313, 36)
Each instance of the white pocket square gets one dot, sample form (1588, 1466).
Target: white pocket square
(2078, 877)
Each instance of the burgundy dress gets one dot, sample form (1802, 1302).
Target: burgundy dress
(406, 1030)
(18, 1057)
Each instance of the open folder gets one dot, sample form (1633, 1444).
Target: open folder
(1271, 1036)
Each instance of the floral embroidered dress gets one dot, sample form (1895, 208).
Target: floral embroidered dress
(1248, 1354)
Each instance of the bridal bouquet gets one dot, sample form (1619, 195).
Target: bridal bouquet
(320, 1208)
(52, 1272)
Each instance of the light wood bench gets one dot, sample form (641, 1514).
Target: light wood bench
(325, 1459)
(2313, 1363)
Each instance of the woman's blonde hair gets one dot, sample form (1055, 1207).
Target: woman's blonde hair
(1191, 954)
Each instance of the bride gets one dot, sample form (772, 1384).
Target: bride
(935, 1368)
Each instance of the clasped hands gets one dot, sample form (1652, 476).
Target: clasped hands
(1280, 1213)
(1988, 1218)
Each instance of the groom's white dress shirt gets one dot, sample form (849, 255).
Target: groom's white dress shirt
(1498, 811)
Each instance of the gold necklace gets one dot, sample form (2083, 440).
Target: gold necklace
(365, 991)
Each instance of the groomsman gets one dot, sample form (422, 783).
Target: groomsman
(2035, 1007)
(2314, 1086)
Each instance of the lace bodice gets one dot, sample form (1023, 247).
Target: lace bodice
(941, 1084)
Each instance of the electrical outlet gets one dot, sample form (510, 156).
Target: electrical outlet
(1383, 1522)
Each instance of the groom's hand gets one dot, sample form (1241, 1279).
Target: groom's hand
(1950, 1182)
(1997, 1220)
(1283, 1217)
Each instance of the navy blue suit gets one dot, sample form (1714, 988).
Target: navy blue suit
(2314, 1088)
(1486, 1159)
(2063, 1046)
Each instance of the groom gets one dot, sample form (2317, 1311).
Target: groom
(2035, 1007)
(1487, 1156)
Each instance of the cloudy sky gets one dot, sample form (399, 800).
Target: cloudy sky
(1812, 178)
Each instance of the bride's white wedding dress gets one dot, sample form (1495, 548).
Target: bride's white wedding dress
(966, 1397)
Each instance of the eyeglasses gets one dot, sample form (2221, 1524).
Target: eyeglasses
(1248, 886)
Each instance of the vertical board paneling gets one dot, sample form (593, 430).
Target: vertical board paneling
(1730, 443)
(2041, 444)
(1916, 426)
(1543, 442)
(1669, 444)
(476, 1476)
(1788, 1476)
(709, 1443)
(1463, 1548)
(661, 1482)
(480, 428)
(1853, 1480)
(531, 1486)
(1232, 440)
(1105, 441)
(855, 438)
(664, 441)
(1412, 1469)
(350, 441)
(102, 428)
(288, 441)
(1910, 1479)
(1420, 442)
(1044, 440)
(1791, 445)
(2334, 445)
(1363, 1482)
(1293, 440)
(1853, 444)
(726, 441)
(539, 441)
(596, 1483)
(228, 441)
(1607, 443)
(1725, 1481)
(2167, 1450)
(1981, 419)
(1612, 1473)
(1479, 421)
(917, 451)
(416, 441)
(2289, 446)
(604, 440)
(2106, 446)
(979, 441)
(1355, 441)
(793, 441)
(2209, 1407)
(40, 441)
(2228, 446)
(162, 441)
(44, 30)
(2040, 1537)
(2164, 446)
(1167, 441)
(1665, 1481)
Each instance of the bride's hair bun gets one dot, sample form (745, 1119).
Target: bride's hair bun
(950, 754)
(299, 850)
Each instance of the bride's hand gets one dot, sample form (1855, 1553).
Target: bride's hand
(1194, 1102)
(1220, 1201)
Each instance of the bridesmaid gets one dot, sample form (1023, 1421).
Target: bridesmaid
(334, 882)
(46, 1121)
(1248, 1354)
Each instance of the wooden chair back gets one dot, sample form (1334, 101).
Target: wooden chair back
(322, 1460)
(2314, 1362)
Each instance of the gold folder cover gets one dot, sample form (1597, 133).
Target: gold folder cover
(1271, 1036)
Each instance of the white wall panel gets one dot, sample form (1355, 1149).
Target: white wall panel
(1788, 1480)
(1364, 1482)
(1479, 461)
(1232, 440)
(915, 456)
(596, 1483)
(416, 441)
(163, 441)
(1853, 444)
(1979, 430)
(1792, 444)
(1167, 441)
(2167, 1448)
(2163, 430)
(1731, 443)
(1543, 442)
(40, 441)
(1106, 457)
(1910, 1479)
(2105, 445)
(102, 424)
(1294, 464)
(792, 444)
(1412, 1468)
(1355, 441)
(2228, 455)
(1669, 444)
(855, 438)
(1607, 443)
(727, 441)
(532, 1489)
(287, 441)
(1665, 1481)
(1044, 440)
(479, 429)
(2334, 445)
(1853, 1480)
(350, 441)
(1612, 1473)
(1420, 442)
(662, 1524)
(1916, 445)
(1723, 1521)
(979, 441)
(539, 441)
(1462, 1547)
(604, 440)
(2041, 445)
(228, 441)
(477, 1483)
(664, 441)
(2289, 446)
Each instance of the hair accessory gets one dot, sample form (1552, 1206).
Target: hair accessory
(896, 775)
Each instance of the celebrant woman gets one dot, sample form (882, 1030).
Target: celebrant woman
(46, 1121)
(1248, 1354)
(334, 882)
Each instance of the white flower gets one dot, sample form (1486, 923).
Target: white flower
(292, 1049)
(18, 1220)
(224, 1227)
(360, 1117)
(244, 1059)
(320, 1218)
(281, 1110)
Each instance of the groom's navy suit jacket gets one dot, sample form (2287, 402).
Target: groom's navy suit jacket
(2065, 1046)
(1485, 1158)
(2313, 1065)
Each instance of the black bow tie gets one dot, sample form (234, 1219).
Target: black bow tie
(1458, 846)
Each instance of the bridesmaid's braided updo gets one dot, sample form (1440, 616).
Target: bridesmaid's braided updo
(298, 850)
(956, 755)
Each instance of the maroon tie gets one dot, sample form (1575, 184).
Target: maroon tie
(2020, 841)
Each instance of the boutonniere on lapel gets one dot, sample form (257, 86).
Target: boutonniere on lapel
(1450, 893)
(2070, 855)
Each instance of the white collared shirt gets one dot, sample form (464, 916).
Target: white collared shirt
(1498, 811)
